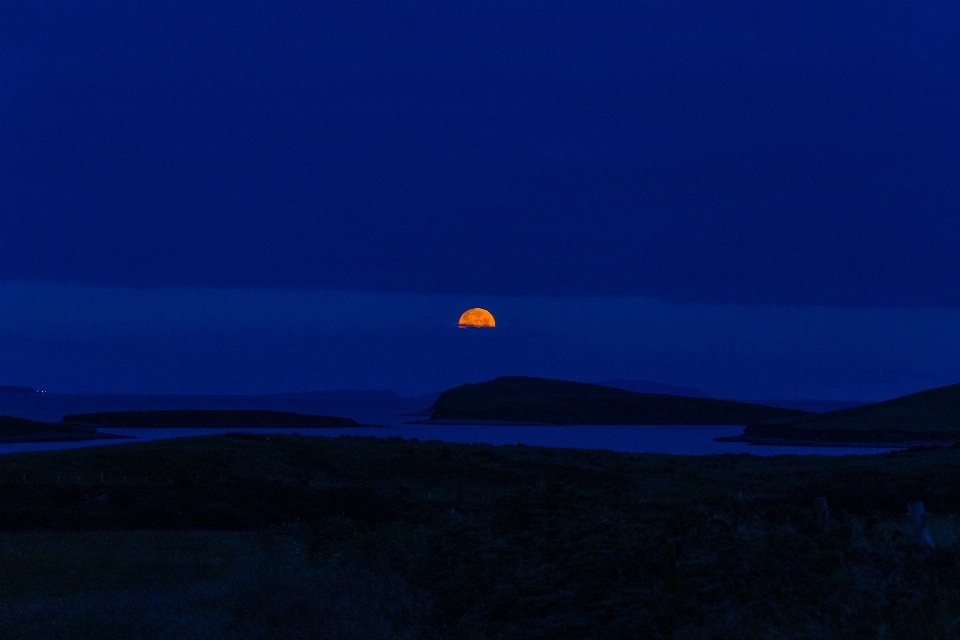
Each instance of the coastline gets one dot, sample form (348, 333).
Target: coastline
(246, 426)
(491, 423)
(853, 444)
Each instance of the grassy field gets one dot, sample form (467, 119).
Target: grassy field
(300, 537)
(173, 584)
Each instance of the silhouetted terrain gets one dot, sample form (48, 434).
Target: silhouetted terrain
(84, 426)
(23, 430)
(540, 400)
(928, 416)
(5, 388)
(207, 418)
(246, 536)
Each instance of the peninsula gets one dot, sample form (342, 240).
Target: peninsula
(527, 400)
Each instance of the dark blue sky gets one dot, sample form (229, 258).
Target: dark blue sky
(785, 156)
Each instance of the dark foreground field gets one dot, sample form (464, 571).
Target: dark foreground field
(299, 537)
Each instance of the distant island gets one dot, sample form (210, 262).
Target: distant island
(527, 400)
(21, 430)
(341, 394)
(8, 389)
(926, 417)
(179, 418)
(85, 426)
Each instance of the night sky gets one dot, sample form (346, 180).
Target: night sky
(760, 199)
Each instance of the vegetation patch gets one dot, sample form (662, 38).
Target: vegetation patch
(303, 537)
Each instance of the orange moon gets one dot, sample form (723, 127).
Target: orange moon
(477, 318)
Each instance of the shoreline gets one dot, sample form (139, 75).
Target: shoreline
(246, 426)
(853, 444)
(489, 423)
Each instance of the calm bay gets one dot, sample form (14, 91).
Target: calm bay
(393, 413)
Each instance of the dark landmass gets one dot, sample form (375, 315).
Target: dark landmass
(645, 386)
(21, 430)
(346, 394)
(524, 400)
(931, 417)
(208, 418)
(4, 388)
(811, 404)
(254, 536)
(84, 426)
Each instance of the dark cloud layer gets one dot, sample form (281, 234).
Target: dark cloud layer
(745, 151)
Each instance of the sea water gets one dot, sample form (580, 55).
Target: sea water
(393, 414)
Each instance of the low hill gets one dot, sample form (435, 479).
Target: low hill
(927, 416)
(21, 430)
(522, 399)
(207, 418)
